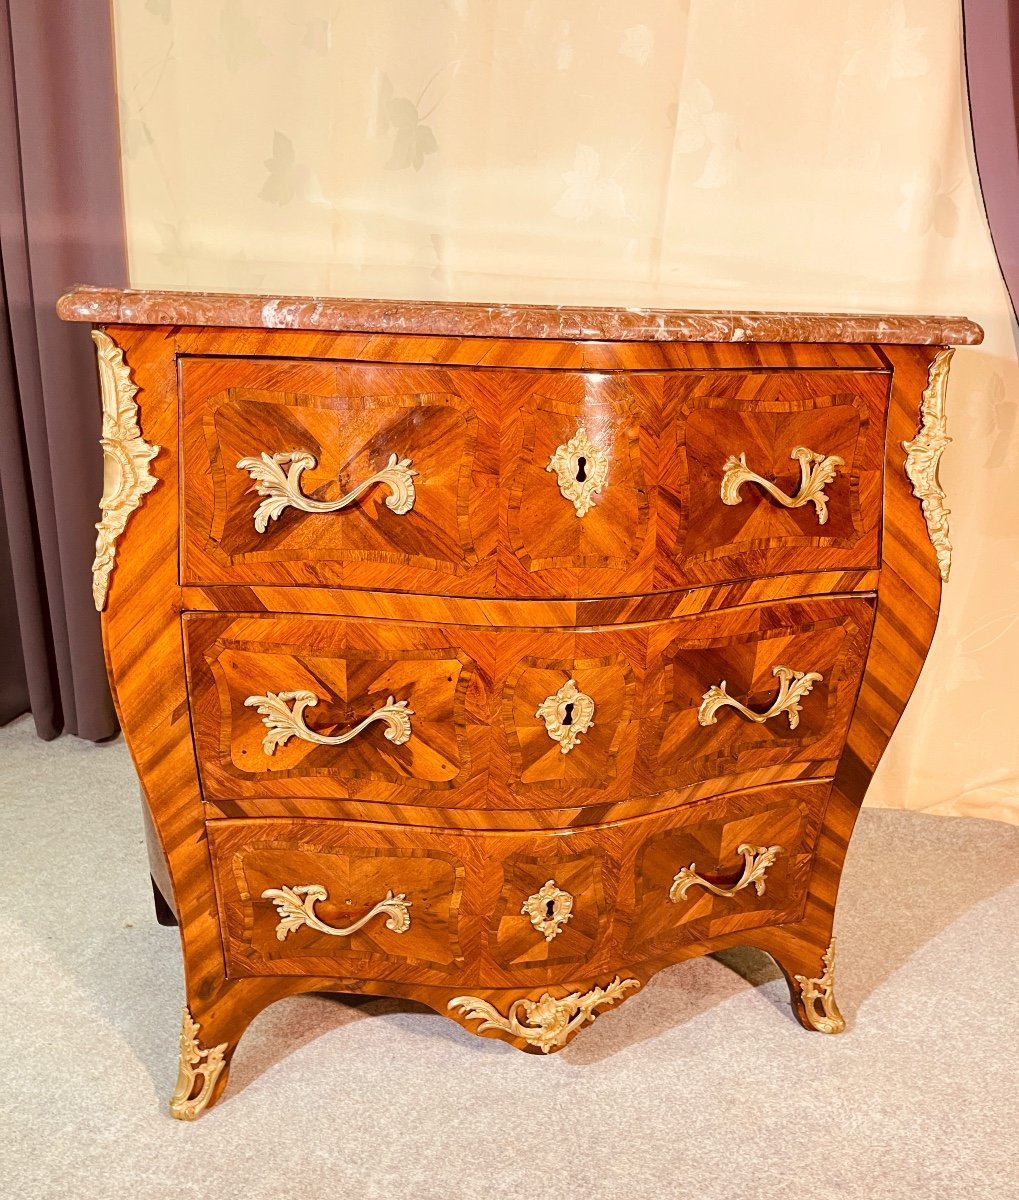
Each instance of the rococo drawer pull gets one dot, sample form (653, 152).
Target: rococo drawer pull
(567, 714)
(284, 723)
(547, 1022)
(283, 489)
(581, 468)
(792, 687)
(816, 472)
(549, 909)
(295, 912)
(756, 861)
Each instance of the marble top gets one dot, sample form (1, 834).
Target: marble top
(115, 306)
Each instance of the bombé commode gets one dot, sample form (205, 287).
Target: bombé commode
(499, 656)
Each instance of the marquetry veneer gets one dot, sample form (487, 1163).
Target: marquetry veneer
(498, 657)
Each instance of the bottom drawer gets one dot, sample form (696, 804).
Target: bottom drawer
(336, 898)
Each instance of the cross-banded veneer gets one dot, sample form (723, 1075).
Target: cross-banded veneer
(498, 657)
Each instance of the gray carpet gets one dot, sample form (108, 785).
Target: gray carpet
(700, 1086)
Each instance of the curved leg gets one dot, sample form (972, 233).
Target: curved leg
(805, 951)
(202, 1073)
(210, 1033)
(816, 1000)
(809, 970)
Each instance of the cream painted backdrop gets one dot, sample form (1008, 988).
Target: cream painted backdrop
(733, 153)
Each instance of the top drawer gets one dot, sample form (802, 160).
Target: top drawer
(532, 483)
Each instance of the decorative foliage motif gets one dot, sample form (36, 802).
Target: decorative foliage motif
(126, 458)
(582, 469)
(704, 130)
(195, 1064)
(295, 912)
(567, 714)
(288, 179)
(284, 723)
(404, 119)
(816, 472)
(548, 1022)
(549, 909)
(819, 996)
(756, 861)
(792, 687)
(282, 489)
(590, 193)
(923, 455)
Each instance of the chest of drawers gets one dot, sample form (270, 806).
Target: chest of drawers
(499, 657)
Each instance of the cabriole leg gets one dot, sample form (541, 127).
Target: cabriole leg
(202, 1072)
(210, 1032)
(816, 999)
(810, 973)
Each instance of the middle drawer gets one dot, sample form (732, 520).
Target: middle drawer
(487, 718)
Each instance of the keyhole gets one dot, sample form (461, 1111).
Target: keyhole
(568, 715)
(549, 908)
(581, 469)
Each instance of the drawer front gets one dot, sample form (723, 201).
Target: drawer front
(326, 897)
(326, 473)
(752, 688)
(474, 717)
(488, 482)
(772, 472)
(745, 865)
(332, 897)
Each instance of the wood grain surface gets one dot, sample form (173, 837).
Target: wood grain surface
(479, 612)
(489, 517)
(466, 891)
(476, 739)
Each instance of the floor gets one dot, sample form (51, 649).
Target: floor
(700, 1086)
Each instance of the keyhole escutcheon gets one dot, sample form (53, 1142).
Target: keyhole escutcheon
(581, 468)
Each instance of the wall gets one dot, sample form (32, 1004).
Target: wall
(730, 153)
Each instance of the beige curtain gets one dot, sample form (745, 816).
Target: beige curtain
(732, 153)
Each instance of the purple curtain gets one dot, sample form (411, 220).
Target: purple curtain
(61, 222)
(992, 71)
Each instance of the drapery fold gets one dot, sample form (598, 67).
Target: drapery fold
(61, 220)
(992, 73)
